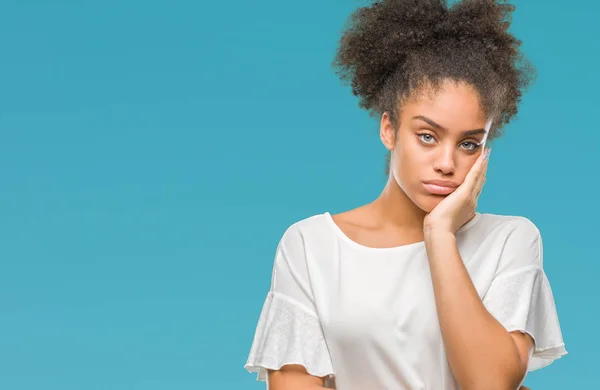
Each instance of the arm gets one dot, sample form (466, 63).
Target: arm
(481, 353)
(294, 377)
(289, 342)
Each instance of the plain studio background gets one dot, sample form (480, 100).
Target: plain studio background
(153, 153)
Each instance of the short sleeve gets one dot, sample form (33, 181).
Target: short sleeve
(520, 297)
(289, 330)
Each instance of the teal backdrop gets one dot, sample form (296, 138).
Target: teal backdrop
(153, 152)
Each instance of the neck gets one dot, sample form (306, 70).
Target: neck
(394, 207)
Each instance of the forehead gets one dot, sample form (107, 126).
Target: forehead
(453, 105)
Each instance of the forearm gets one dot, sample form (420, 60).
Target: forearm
(298, 387)
(481, 353)
(294, 377)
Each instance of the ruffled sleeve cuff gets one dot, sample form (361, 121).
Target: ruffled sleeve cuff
(523, 301)
(288, 333)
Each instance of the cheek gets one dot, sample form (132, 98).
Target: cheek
(408, 173)
(408, 167)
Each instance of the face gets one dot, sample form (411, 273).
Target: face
(436, 143)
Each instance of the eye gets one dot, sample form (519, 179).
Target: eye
(426, 138)
(470, 146)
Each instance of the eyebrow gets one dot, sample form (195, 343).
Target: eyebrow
(437, 126)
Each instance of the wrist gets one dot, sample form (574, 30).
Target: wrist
(436, 230)
(438, 236)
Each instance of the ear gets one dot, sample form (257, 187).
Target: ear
(387, 132)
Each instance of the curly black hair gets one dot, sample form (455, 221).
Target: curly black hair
(391, 48)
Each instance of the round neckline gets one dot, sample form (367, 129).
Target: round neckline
(416, 244)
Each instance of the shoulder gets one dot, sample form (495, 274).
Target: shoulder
(309, 231)
(309, 225)
(509, 225)
(516, 239)
(302, 245)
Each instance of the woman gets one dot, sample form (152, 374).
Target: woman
(416, 290)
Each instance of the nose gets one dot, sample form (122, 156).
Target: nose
(444, 161)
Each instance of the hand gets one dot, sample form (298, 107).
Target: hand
(459, 207)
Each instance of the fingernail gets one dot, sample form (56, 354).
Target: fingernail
(487, 154)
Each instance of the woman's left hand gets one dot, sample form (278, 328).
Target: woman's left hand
(459, 207)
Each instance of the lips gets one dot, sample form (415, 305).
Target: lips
(440, 187)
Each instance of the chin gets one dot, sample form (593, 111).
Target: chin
(422, 199)
(428, 202)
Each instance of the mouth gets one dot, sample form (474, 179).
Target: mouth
(436, 187)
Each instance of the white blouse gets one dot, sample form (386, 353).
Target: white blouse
(366, 318)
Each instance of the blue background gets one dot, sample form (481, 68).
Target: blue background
(153, 152)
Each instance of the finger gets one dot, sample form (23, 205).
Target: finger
(482, 175)
(480, 189)
(475, 172)
(480, 181)
(473, 183)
